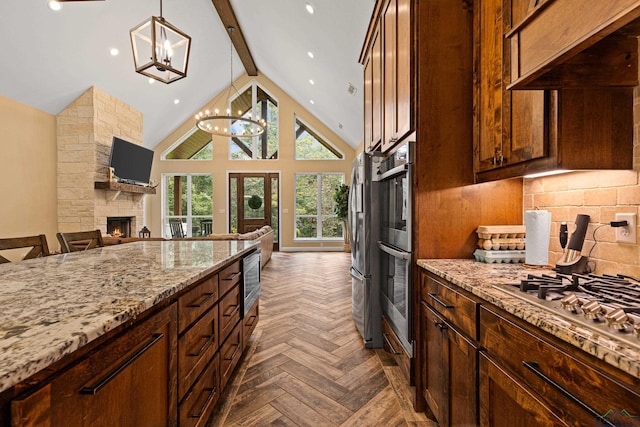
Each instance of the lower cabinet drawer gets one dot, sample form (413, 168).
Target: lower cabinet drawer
(195, 409)
(195, 349)
(195, 302)
(577, 391)
(249, 323)
(230, 353)
(229, 277)
(229, 307)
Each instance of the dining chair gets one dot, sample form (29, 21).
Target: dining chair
(206, 227)
(38, 244)
(175, 225)
(80, 241)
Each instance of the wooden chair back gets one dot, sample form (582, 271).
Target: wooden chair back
(175, 225)
(38, 246)
(207, 227)
(80, 241)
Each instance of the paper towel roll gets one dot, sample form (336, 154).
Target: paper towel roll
(538, 227)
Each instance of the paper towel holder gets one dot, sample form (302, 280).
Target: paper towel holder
(573, 261)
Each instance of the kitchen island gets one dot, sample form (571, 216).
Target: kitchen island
(58, 310)
(522, 361)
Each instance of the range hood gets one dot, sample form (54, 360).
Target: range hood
(575, 43)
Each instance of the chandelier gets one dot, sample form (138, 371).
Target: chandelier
(160, 50)
(244, 124)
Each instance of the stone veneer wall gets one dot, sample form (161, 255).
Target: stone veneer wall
(84, 134)
(600, 194)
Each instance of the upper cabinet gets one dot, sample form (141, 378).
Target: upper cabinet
(389, 81)
(559, 43)
(373, 95)
(520, 132)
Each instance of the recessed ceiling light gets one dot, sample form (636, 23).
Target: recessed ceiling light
(54, 5)
(176, 101)
(311, 101)
(312, 82)
(114, 51)
(309, 8)
(151, 80)
(310, 54)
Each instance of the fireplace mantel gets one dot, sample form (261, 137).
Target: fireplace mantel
(115, 188)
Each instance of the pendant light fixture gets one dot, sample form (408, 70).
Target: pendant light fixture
(160, 50)
(243, 125)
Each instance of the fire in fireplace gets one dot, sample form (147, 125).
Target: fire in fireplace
(119, 226)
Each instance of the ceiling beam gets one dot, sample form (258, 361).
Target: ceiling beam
(228, 18)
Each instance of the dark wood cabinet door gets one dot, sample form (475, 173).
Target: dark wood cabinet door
(129, 381)
(505, 402)
(397, 72)
(450, 372)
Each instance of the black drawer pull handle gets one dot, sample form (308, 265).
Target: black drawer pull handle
(388, 341)
(208, 340)
(93, 390)
(441, 325)
(212, 392)
(233, 276)
(233, 308)
(198, 303)
(439, 301)
(233, 355)
(535, 368)
(253, 320)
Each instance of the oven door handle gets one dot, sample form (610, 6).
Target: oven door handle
(393, 252)
(393, 172)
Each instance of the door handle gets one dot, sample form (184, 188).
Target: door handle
(393, 252)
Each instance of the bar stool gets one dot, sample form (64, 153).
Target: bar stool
(38, 244)
(80, 241)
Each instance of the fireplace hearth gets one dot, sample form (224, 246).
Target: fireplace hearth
(119, 226)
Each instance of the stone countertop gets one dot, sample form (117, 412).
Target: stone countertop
(50, 307)
(479, 278)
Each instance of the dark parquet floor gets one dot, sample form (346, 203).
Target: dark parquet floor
(306, 365)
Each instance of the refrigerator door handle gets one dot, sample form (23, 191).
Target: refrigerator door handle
(355, 274)
(393, 252)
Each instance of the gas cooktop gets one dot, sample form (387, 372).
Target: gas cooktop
(600, 304)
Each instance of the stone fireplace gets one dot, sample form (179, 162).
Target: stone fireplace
(119, 226)
(85, 130)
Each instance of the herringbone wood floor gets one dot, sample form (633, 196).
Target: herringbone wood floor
(306, 364)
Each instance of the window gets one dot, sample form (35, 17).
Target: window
(195, 145)
(187, 205)
(311, 146)
(264, 146)
(315, 216)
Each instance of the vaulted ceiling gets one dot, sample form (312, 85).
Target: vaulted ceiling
(50, 58)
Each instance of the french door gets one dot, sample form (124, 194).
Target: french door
(253, 202)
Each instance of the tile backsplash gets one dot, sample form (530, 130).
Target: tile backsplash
(599, 194)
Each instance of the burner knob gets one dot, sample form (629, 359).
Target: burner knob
(619, 320)
(571, 302)
(593, 310)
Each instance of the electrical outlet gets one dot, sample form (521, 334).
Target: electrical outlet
(626, 234)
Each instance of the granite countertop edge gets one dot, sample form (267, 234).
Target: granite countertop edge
(479, 279)
(113, 303)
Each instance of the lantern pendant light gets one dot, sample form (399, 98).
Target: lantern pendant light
(160, 50)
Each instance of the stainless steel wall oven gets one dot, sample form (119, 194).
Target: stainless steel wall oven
(395, 182)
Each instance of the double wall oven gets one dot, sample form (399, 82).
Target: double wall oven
(395, 178)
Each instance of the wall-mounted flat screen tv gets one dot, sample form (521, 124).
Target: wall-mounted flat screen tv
(131, 162)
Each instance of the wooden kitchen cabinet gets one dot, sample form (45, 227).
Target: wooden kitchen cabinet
(397, 72)
(128, 381)
(373, 94)
(451, 371)
(520, 132)
(524, 374)
(388, 57)
(449, 352)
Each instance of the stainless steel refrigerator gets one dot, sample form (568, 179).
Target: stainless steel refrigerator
(364, 226)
